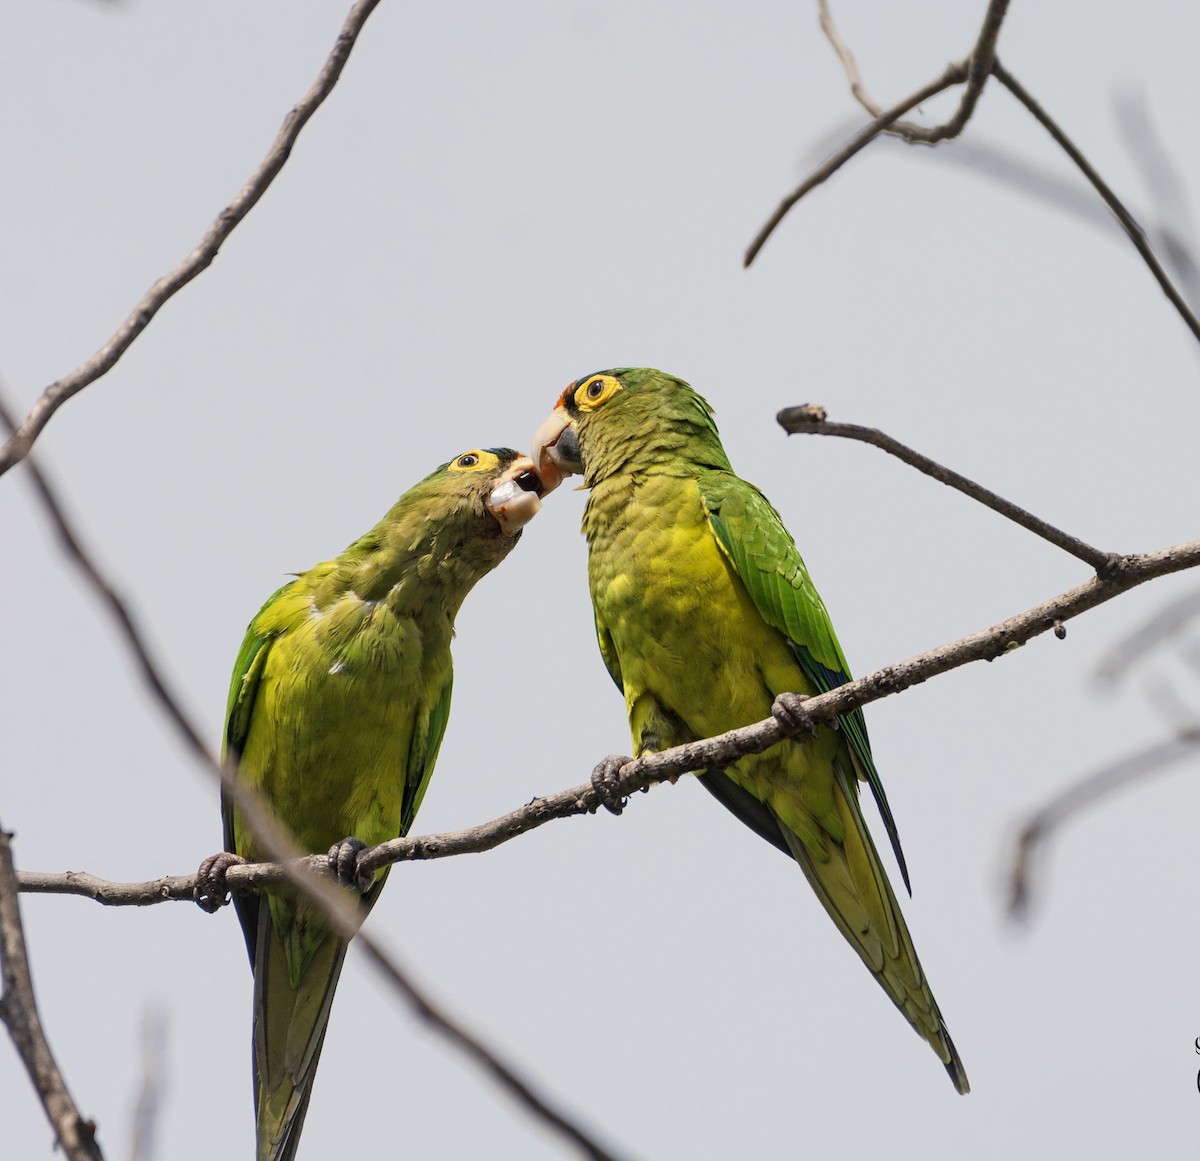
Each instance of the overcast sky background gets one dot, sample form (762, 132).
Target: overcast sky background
(496, 199)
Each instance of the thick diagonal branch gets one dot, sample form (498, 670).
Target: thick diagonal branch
(54, 396)
(710, 753)
(19, 1014)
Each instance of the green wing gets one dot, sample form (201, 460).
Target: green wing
(239, 708)
(609, 652)
(422, 755)
(768, 563)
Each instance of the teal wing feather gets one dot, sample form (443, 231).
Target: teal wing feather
(766, 560)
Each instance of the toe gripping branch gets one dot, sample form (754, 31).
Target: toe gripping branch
(788, 711)
(606, 782)
(343, 862)
(211, 892)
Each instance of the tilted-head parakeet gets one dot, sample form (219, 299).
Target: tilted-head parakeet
(338, 703)
(705, 614)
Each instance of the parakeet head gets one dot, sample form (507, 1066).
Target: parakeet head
(457, 524)
(492, 485)
(626, 420)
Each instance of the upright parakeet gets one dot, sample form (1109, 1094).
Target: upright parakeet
(705, 614)
(337, 707)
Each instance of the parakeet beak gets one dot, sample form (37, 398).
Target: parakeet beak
(514, 500)
(556, 450)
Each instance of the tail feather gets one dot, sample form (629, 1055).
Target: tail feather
(853, 887)
(289, 1031)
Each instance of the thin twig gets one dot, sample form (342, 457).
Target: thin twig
(152, 672)
(710, 753)
(809, 419)
(19, 1014)
(955, 74)
(54, 396)
(973, 71)
(1050, 817)
(1135, 232)
(980, 60)
(345, 916)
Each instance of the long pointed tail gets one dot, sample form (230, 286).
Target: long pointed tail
(289, 1029)
(853, 887)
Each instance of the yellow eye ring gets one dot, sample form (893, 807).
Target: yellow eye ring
(596, 392)
(467, 461)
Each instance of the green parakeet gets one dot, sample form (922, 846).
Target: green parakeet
(337, 706)
(705, 614)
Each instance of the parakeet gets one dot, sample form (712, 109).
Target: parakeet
(337, 706)
(705, 614)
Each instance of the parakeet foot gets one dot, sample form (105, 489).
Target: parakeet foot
(606, 782)
(343, 862)
(211, 893)
(788, 711)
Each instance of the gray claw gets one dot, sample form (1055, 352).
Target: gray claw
(211, 893)
(606, 782)
(343, 862)
(788, 711)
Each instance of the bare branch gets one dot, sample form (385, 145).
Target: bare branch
(809, 419)
(345, 916)
(151, 671)
(1136, 235)
(19, 1014)
(711, 753)
(1041, 825)
(955, 74)
(978, 66)
(54, 396)
(983, 60)
(973, 71)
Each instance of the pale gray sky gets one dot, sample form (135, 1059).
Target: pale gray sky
(497, 199)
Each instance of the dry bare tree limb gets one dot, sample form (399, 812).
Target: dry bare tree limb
(345, 916)
(983, 60)
(955, 74)
(152, 672)
(809, 419)
(973, 72)
(54, 396)
(978, 68)
(19, 1014)
(1050, 817)
(710, 753)
(1152, 633)
(1136, 234)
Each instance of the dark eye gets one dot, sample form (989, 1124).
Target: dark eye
(468, 461)
(595, 388)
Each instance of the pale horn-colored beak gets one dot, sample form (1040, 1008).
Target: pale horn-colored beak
(556, 450)
(514, 501)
